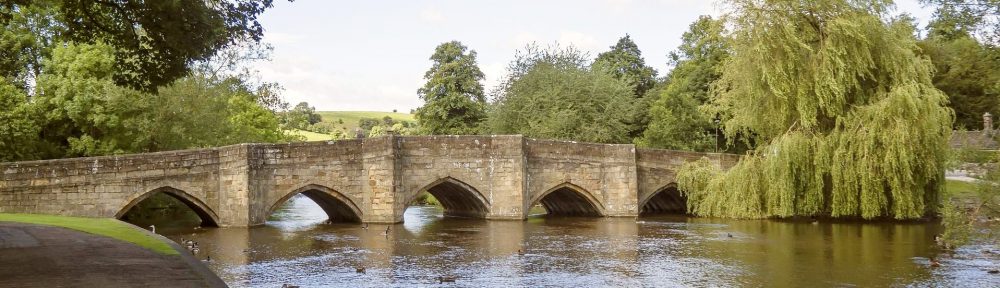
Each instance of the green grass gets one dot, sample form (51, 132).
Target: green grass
(311, 136)
(959, 188)
(351, 118)
(99, 226)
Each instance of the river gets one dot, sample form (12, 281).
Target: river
(296, 247)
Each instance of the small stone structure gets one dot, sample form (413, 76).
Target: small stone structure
(985, 139)
(362, 180)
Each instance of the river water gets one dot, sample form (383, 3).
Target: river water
(296, 247)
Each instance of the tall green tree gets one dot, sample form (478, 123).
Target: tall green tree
(454, 101)
(301, 116)
(968, 72)
(677, 120)
(551, 94)
(154, 41)
(979, 18)
(25, 40)
(849, 122)
(624, 62)
(18, 125)
(86, 114)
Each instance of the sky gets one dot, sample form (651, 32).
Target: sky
(372, 55)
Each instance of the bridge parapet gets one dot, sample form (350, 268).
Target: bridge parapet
(367, 180)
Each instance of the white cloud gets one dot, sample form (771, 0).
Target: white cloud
(329, 90)
(582, 41)
(618, 6)
(494, 73)
(432, 15)
(276, 38)
(522, 39)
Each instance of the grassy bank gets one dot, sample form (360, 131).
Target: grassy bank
(99, 226)
(957, 188)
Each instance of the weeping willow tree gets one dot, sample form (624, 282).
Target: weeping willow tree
(849, 122)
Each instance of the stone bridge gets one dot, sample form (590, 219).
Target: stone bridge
(362, 180)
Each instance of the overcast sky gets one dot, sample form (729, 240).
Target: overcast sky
(372, 55)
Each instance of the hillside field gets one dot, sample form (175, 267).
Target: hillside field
(351, 118)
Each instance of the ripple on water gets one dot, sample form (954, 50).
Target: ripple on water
(587, 252)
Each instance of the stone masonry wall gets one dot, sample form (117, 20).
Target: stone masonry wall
(607, 172)
(375, 178)
(657, 168)
(102, 186)
(490, 165)
(283, 170)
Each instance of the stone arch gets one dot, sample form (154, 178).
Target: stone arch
(458, 198)
(666, 200)
(569, 200)
(337, 206)
(207, 215)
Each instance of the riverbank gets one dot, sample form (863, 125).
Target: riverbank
(56, 251)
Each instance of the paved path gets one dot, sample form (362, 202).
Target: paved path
(959, 175)
(44, 256)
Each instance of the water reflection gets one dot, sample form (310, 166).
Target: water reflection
(296, 247)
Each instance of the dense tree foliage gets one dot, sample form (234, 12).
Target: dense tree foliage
(969, 17)
(85, 113)
(454, 100)
(624, 62)
(66, 90)
(848, 120)
(82, 112)
(301, 117)
(677, 120)
(18, 130)
(155, 42)
(967, 71)
(553, 94)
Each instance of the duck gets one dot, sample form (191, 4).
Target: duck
(730, 235)
(208, 258)
(443, 279)
(359, 270)
(935, 263)
(365, 226)
(386, 233)
(286, 285)
(152, 228)
(520, 252)
(994, 271)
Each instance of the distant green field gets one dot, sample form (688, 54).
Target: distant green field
(311, 136)
(351, 118)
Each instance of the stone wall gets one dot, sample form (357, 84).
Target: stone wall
(367, 180)
(657, 168)
(604, 174)
(106, 186)
(489, 168)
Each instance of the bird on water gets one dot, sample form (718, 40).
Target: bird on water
(443, 279)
